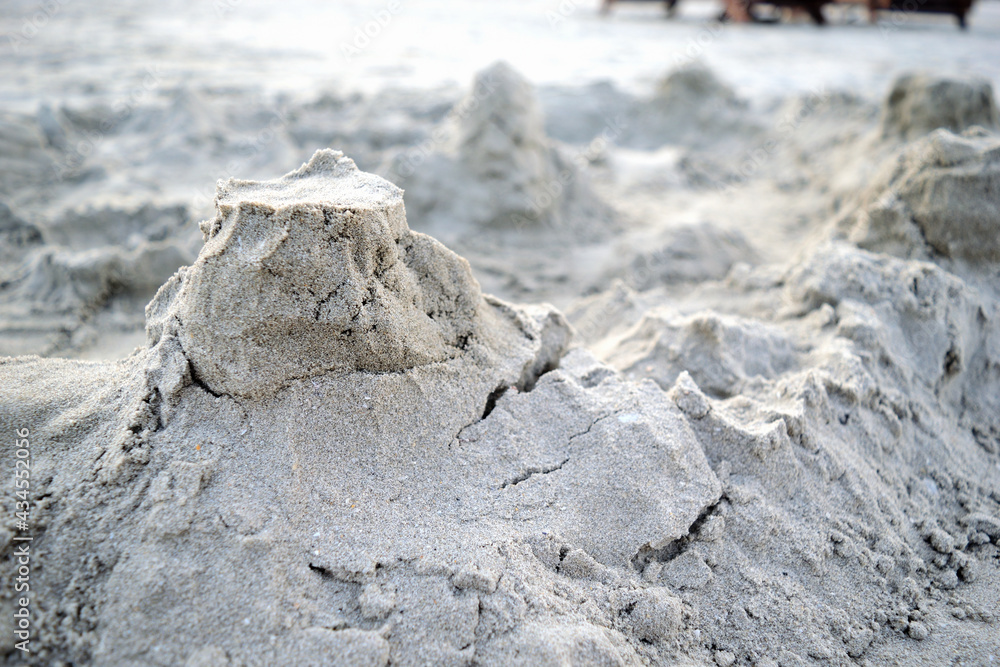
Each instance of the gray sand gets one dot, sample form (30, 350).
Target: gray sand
(768, 435)
(410, 480)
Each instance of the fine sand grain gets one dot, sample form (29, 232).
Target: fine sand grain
(760, 425)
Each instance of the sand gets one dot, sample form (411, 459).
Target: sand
(445, 472)
(489, 175)
(759, 426)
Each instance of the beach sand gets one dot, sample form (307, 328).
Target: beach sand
(526, 368)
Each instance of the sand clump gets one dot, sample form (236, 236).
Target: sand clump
(920, 103)
(689, 106)
(88, 264)
(939, 198)
(329, 257)
(856, 440)
(723, 353)
(689, 253)
(87, 227)
(432, 486)
(847, 402)
(490, 165)
(17, 234)
(24, 161)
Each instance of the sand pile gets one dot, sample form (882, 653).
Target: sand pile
(89, 227)
(856, 438)
(686, 253)
(690, 107)
(151, 144)
(369, 127)
(939, 199)
(61, 277)
(919, 103)
(724, 354)
(869, 462)
(847, 401)
(332, 447)
(24, 161)
(16, 234)
(490, 165)
(335, 450)
(580, 114)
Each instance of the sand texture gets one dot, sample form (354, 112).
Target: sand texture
(492, 165)
(759, 426)
(397, 466)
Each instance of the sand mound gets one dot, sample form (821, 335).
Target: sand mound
(580, 114)
(87, 227)
(58, 276)
(15, 233)
(941, 198)
(688, 253)
(334, 450)
(490, 165)
(52, 292)
(857, 451)
(920, 103)
(689, 107)
(24, 161)
(723, 353)
(937, 331)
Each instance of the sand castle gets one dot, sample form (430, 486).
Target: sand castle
(335, 449)
(321, 266)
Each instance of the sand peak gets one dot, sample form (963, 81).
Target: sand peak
(313, 272)
(328, 179)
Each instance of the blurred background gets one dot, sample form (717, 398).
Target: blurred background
(62, 49)
(118, 118)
